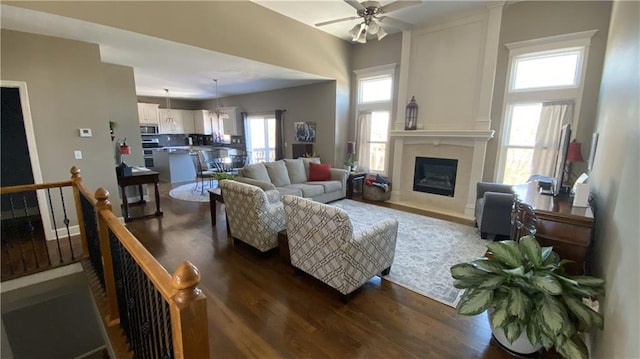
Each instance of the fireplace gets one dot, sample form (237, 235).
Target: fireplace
(435, 175)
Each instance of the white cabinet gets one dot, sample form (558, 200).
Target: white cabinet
(147, 113)
(205, 122)
(170, 121)
(188, 125)
(231, 123)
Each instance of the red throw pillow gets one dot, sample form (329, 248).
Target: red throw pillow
(319, 171)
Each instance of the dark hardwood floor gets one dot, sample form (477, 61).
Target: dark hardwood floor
(258, 307)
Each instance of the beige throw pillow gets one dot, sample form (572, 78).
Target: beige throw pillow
(257, 171)
(296, 170)
(278, 173)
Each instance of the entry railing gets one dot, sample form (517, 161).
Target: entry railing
(161, 315)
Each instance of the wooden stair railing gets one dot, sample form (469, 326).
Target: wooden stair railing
(161, 315)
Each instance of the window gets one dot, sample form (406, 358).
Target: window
(374, 106)
(544, 92)
(260, 133)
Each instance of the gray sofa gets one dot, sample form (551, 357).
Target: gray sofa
(494, 202)
(290, 176)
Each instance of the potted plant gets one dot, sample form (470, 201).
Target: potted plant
(530, 296)
(348, 163)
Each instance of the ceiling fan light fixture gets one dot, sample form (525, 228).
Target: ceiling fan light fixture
(355, 31)
(362, 37)
(381, 33)
(373, 27)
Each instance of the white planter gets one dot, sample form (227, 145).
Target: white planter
(522, 345)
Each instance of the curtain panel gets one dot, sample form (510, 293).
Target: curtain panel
(279, 134)
(363, 133)
(553, 116)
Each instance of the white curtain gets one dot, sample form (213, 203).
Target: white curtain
(363, 128)
(553, 116)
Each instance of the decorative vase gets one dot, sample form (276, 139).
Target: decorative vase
(348, 168)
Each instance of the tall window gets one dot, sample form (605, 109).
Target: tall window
(543, 92)
(373, 109)
(260, 133)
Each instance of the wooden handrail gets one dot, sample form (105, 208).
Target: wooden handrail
(33, 187)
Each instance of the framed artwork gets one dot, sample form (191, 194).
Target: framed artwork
(305, 131)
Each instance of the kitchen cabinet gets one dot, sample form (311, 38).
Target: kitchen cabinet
(170, 121)
(205, 122)
(231, 123)
(147, 113)
(188, 125)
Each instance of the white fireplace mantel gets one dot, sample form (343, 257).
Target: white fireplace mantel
(449, 134)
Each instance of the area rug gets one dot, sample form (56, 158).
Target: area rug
(425, 249)
(188, 192)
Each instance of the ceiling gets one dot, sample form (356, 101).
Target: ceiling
(188, 71)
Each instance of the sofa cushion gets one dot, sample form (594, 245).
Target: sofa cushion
(291, 190)
(308, 190)
(256, 171)
(319, 171)
(306, 161)
(278, 173)
(329, 186)
(297, 174)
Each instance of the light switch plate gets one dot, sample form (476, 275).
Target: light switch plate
(77, 154)
(85, 132)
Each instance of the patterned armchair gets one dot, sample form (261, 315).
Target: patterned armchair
(323, 244)
(254, 216)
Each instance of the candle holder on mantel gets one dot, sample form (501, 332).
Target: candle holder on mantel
(411, 115)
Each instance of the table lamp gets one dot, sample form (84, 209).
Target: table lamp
(574, 154)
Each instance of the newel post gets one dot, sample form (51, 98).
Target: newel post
(103, 204)
(188, 314)
(76, 181)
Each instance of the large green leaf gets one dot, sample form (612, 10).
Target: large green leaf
(589, 281)
(545, 252)
(488, 266)
(552, 259)
(552, 316)
(596, 319)
(466, 271)
(531, 250)
(475, 301)
(581, 312)
(546, 284)
(547, 343)
(512, 331)
(573, 348)
(532, 332)
(506, 252)
(498, 317)
(518, 272)
(518, 304)
(525, 285)
(492, 281)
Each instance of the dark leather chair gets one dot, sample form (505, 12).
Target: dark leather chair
(494, 203)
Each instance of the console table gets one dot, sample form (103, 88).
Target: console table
(139, 178)
(568, 229)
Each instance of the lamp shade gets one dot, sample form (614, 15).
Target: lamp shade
(351, 147)
(574, 152)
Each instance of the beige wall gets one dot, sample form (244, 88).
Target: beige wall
(239, 28)
(528, 20)
(311, 103)
(70, 88)
(614, 180)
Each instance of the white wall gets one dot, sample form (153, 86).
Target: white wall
(614, 180)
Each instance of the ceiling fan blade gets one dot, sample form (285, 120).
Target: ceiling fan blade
(397, 5)
(337, 20)
(355, 4)
(398, 24)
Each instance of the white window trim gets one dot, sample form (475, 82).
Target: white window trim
(549, 44)
(368, 73)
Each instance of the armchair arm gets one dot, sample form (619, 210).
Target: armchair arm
(483, 187)
(341, 175)
(273, 218)
(495, 201)
(375, 244)
(266, 186)
(273, 196)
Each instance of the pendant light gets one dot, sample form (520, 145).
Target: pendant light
(169, 119)
(219, 110)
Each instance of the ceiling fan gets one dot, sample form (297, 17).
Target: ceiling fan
(372, 14)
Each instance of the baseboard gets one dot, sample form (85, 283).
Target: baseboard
(62, 232)
(91, 352)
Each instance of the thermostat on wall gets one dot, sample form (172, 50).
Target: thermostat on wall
(85, 132)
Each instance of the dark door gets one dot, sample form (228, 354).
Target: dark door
(23, 241)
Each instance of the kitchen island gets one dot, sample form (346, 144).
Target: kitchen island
(174, 165)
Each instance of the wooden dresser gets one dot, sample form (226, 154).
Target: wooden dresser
(568, 229)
